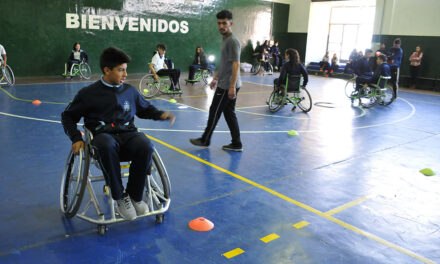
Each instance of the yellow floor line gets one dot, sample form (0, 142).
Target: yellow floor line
(301, 224)
(299, 204)
(233, 253)
(346, 206)
(269, 238)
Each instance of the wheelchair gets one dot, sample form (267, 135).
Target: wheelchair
(81, 69)
(7, 76)
(83, 171)
(261, 64)
(381, 92)
(300, 97)
(202, 74)
(149, 87)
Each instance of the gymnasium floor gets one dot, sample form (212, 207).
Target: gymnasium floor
(347, 189)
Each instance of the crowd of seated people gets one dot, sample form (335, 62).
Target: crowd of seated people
(269, 53)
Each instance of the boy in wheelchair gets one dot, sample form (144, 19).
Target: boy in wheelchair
(159, 67)
(108, 107)
(76, 56)
(290, 69)
(382, 69)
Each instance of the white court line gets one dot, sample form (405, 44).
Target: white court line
(413, 111)
(262, 84)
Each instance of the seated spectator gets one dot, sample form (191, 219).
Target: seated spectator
(334, 66)
(159, 67)
(76, 56)
(198, 63)
(324, 63)
(276, 55)
(293, 66)
(383, 69)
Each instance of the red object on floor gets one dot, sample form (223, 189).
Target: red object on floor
(36, 102)
(201, 224)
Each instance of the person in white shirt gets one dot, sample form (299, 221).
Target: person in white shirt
(159, 67)
(3, 55)
(76, 56)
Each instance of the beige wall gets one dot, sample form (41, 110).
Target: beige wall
(407, 17)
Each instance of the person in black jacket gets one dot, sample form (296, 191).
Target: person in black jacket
(292, 66)
(76, 56)
(108, 108)
(382, 69)
(198, 63)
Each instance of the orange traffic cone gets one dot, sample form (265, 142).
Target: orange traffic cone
(201, 224)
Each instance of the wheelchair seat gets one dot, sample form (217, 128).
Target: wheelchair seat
(293, 83)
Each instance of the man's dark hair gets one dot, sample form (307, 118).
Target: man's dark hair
(161, 46)
(112, 57)
(368, 51)
(224, 14)
(383, 57)
(397, 41)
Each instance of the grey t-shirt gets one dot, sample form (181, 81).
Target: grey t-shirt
(230, 52)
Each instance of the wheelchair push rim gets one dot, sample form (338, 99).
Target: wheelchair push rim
(74, 181)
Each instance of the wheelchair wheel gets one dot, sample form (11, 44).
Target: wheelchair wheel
(367, 98)
(350, 87)
(387, 95)
(74, 182)
(305, 103)
(74, 70)
(256, 68)
(157, 186)
(276, 101)
(205, 75)
(9, 75)
(85, 71)
(148, 87)
(270, 69)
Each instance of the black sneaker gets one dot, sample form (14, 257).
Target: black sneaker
(198, 142)
(233, 147)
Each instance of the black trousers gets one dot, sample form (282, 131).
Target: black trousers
(192, 70)
(128, 146)
(395, 72)
(222, 104)
(414, 71)
(174, 75)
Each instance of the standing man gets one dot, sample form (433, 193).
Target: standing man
(227, 83)
(395, 56)
(3, 55)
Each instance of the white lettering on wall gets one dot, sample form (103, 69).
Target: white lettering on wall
(72, 21)
(98, 22)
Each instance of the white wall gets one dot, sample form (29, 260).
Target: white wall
(407, 17)
(319, 25)
(298, 14)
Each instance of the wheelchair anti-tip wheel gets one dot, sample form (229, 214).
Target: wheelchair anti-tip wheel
(74, 181)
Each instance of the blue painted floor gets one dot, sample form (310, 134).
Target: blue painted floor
(347, 189)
